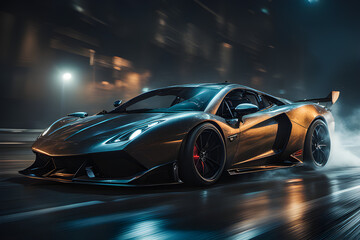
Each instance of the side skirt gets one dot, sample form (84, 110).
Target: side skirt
(236, 171)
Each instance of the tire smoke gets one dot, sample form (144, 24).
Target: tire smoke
(345, 145)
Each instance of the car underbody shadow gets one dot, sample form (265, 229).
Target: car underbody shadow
(241, 180)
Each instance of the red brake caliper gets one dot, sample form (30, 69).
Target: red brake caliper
(197, 157)
(196, 154)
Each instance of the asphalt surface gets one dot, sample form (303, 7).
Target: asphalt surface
(279, 204)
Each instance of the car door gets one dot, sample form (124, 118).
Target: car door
(257, 133)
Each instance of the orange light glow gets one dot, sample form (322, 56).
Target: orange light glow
(295, 208)
(226, 45)
(295, 180)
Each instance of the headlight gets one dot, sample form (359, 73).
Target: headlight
(134, 133)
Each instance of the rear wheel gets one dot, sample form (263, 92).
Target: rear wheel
(317, 145)
(203, 158)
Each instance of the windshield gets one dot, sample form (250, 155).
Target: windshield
(170, 100)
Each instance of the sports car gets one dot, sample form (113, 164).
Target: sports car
(190, 133)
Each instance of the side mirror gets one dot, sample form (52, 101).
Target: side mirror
(117, 103)
(78, 114)
(246, 108)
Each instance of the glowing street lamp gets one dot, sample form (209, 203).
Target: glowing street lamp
(66, 77)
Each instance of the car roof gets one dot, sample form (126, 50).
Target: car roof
(227, 87)
(214, 85)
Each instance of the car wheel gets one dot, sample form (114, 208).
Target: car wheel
(203, 158)
(317, 145)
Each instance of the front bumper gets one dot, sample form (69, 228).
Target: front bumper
(110, 168)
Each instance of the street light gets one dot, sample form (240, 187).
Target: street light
(66, 77)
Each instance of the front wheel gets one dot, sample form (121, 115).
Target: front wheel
(203, 158)
(317, 145)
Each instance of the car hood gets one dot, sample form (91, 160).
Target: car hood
(74, 129)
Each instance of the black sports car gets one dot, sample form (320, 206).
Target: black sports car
(188, 133)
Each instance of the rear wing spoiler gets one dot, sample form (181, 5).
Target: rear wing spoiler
(327, 101)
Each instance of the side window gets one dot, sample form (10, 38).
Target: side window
(270, 101)
(234, 98)
(265, 102)
(225, 110)
(252, 98)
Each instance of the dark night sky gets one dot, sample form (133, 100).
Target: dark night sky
(328, 32)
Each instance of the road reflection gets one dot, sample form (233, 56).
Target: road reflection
(276, 204)
(295, 207)
(235, 210)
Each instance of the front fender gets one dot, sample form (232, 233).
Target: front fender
(162, 143)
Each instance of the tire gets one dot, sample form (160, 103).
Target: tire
(317, 145)
(203, 156)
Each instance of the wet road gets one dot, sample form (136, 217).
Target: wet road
(280, 204)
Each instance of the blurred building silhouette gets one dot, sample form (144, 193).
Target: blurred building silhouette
(116, 49)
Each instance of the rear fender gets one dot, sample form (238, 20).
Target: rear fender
(305, 114)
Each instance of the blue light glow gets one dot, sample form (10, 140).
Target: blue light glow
(265, 11)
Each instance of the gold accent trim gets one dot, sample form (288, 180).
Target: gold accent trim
(258, 157)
